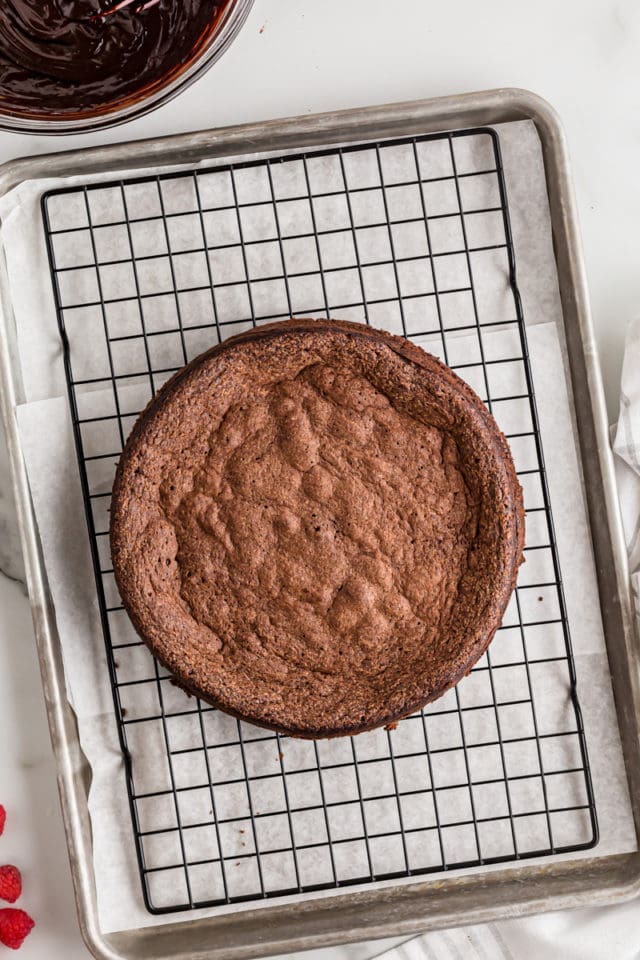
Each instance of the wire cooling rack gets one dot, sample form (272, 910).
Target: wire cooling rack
(413, 236)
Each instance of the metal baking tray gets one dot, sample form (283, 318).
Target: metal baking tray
(419, 906)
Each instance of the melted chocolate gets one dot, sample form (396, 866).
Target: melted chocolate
(68, 56)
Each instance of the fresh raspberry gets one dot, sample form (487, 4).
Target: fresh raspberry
(10, 883)
(3, 817)
(15, 925)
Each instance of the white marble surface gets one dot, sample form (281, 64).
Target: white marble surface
(302, 56)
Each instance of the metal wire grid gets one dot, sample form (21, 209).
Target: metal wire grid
(412, 235)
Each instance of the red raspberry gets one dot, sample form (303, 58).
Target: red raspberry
(15, 925)
(10, 883)
(3, 817)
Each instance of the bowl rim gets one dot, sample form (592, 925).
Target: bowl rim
(232, 21)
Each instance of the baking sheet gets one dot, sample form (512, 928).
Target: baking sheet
(45, 430)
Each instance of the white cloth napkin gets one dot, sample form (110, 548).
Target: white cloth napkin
(608, 933)
(626, 444)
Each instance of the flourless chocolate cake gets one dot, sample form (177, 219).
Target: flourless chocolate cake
(316, 527)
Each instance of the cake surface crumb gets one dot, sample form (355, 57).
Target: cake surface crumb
(317, 527)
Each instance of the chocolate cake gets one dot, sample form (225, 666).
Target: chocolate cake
(316, 527)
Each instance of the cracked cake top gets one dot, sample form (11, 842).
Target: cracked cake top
(316, 527)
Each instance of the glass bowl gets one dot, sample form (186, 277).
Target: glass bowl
(144, 100)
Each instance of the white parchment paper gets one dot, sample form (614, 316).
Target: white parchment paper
(49, 454)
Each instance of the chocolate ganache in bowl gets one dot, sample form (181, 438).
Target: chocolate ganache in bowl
(89, 63)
